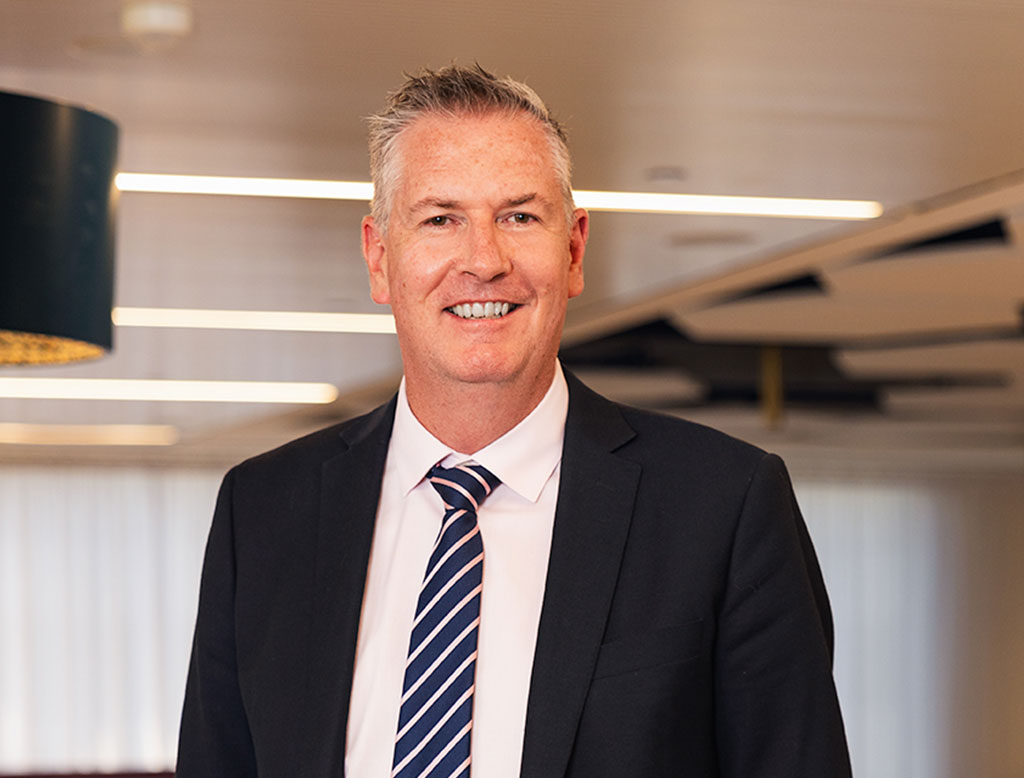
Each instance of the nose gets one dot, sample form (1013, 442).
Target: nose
(484, 254)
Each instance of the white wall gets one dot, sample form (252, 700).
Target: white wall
(99, 572)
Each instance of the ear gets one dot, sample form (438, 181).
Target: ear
(577, 246)
(376, 258)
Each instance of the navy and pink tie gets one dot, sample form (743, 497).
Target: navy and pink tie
(436, 715)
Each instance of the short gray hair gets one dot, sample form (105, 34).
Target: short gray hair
(452, 91)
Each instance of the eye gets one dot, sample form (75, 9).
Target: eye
(522, 218)
(441, 219)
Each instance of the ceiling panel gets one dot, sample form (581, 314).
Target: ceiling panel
(993, 274)
(816, 318)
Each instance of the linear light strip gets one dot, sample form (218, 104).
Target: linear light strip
(628, 202)
(166, 390)
(282, 321)
(88, 434)
(789, 207)
(162, 183)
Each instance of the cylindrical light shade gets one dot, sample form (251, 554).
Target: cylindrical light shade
(57, 203)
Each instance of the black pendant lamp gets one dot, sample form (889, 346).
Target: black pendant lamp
(57, 203)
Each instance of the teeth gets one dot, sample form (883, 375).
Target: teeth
(488, 310)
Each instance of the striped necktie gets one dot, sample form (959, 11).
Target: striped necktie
(436, 714)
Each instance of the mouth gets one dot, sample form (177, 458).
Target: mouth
(492, 309)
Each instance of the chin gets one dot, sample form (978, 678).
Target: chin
(482, 375)
(488, 369)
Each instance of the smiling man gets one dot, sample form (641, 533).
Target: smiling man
(499, 570)
(477, 257)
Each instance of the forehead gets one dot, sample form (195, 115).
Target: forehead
(479, 152)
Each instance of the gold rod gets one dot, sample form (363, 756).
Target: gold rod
(771, 386)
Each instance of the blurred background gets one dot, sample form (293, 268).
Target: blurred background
(882, 357)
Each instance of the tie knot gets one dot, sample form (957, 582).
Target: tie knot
(464, 486)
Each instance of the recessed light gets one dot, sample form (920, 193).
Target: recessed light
(694, 238)
(665, 173)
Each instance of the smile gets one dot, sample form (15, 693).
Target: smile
(488, 310)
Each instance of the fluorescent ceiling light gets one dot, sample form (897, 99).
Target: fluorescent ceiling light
(286, 321)
(250, 187)
(88, 434)
(631, 202)
(791, 207)
(160, 390)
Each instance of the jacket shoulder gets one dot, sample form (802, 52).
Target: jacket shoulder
(662, 431)
(646, 435)
(307, 453)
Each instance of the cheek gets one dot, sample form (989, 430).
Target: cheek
(556, 282)
(414, 281)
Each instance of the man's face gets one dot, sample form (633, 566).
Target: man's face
(478, 261)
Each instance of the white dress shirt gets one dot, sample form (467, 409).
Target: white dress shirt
(516, 522)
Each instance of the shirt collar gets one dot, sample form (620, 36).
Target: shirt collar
(523, 458)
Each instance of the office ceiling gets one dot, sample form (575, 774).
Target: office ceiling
(899, 334)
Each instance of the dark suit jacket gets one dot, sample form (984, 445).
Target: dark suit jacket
(685, 629)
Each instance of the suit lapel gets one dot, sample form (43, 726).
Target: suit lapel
(595, 506)
(350, 491)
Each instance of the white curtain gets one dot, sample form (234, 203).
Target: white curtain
(881, 551)
(926, 582)
(99, 571)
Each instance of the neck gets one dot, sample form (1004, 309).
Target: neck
(469, 416)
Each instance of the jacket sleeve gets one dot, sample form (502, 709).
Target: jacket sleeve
(214, 739)
(777, 714)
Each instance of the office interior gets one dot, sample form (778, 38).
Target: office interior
(880, 353)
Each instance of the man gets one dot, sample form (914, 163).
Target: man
(652, 605)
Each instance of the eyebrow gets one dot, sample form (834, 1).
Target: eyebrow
(445, 204)
(433, 202)
(517, 201)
